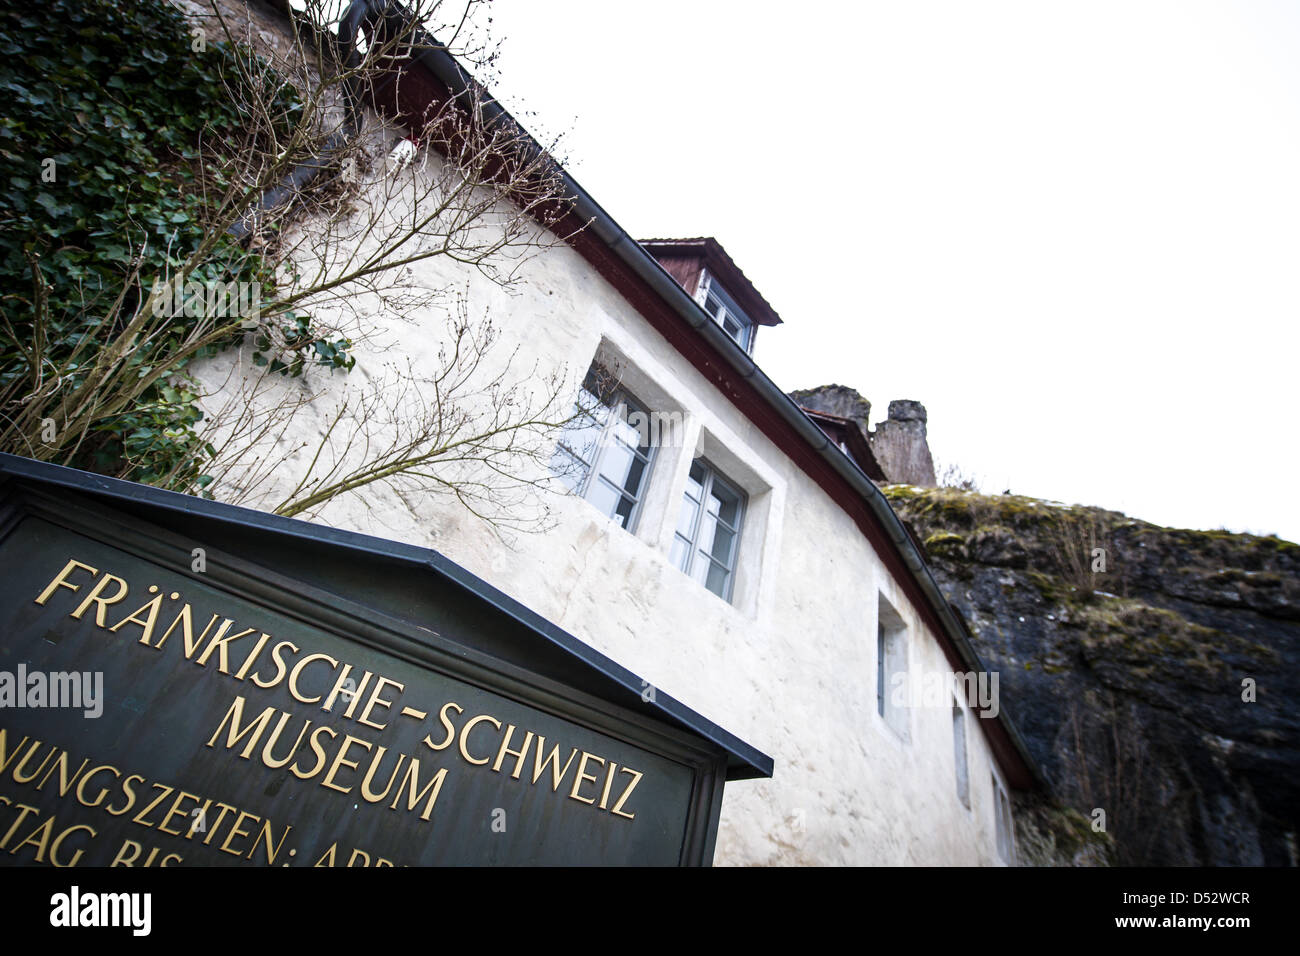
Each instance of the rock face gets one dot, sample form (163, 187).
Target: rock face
(1152, 672)
(901, 447)
(837, 400)
(899, 444)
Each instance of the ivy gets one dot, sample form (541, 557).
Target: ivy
(113, 136)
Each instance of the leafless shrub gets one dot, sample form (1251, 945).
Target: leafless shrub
(1109, 766)
(952, 475)
(1079, 549)
(350, 244)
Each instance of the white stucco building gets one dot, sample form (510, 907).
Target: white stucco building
(738, 560)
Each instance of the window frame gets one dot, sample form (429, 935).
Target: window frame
(728, 308)
(712, 475)
(961, 755)
(618, 396)
(892, 647)
(1001, 811)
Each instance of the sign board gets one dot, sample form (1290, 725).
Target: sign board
(186, 683)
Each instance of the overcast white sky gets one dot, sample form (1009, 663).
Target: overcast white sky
(1071, 230)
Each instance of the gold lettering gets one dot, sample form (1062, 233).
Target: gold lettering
(411, 781)
(451, 730)
(122, 858)
(147, 623)
(583, 776)
(58, 842)
(340, 685)
(21, 817)
(221, 644)
(518, 754)
(375, 699)
(356, 695)
(157, 800)
(297, 669)
(234, 735)
(263, 838)
(618, 807)
(216, 825)
(267, 751)
(186, 620)
(318, 750)
(327, 858)
(61, 581)
(340, 759)
(539, 765)
(369, 795)
(175, 811)
(94, 598)
(5, 755)
(130, 794)
(609, 778)
(196, 817)
(280, 666)
(65, 784)
(42, 844)
(81, 787)
(464, 737)
(252, 656)
(236, 832)
(19, 776)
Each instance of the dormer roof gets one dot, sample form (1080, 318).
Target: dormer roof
(685, 260)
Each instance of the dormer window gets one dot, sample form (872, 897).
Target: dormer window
(711, 277)
(725, 312)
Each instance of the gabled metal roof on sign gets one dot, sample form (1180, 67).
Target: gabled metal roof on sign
(322, 556)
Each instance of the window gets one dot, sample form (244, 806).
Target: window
(959, 753)
(604, 454)
(891, 667)
(708, 529)
(1002, 810)
(726, 313)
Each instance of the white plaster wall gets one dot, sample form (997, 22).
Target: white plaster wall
(789, 666)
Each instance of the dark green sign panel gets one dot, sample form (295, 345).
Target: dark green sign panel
(168, 699)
